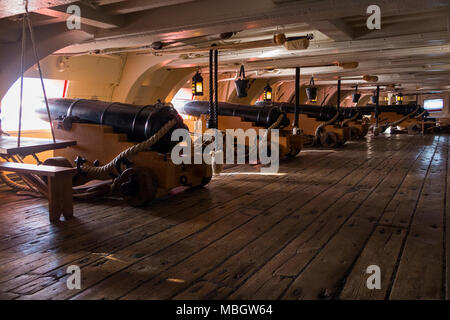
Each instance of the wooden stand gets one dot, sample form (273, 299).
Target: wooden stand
(389, 117)
(290, 145)
(59, 191)
(96, 142)
(308, 125)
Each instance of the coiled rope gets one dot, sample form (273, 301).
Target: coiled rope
(14, 185)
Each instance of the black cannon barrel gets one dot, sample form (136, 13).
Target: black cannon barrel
(321, 113)
(324, 113)
(263, 117)
(138, 122)
(403, 109)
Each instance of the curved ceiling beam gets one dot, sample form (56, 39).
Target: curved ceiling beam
(48, 39)
(136, 69)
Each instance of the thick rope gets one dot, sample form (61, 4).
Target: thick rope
(272, 126)
(108, 169)
(276, 123)
(36, 56)
(14, 185)
(22, 57)
(420, 115)
(323, 124)
(393, 124)
(217, 168)
(351, 119)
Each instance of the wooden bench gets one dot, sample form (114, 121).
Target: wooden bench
(59, 190)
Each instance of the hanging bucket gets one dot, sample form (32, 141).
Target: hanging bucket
(241, 84)
(311, 91)
(356, 97)
(374, 99)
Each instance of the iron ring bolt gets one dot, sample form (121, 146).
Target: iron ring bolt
(80, 161)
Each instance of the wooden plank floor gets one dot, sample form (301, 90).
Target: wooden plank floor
(309, 232)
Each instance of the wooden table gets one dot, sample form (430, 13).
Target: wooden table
(8, 145)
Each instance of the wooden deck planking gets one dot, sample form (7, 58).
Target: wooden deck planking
(383, 247)
(271, 280)
(323, 277)
(250, 236)
(420, 272)
(122, 282)
(250, 259)
(133, 252)
(180, 205)
(311, 192)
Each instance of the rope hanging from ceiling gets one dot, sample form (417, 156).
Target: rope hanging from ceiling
(26, 21)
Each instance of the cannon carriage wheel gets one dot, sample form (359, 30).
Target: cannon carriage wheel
(329, 139)
(137, 186)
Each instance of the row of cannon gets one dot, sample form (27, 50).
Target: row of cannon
(128, 148)
(141, 122)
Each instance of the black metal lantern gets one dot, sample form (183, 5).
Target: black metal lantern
(267, 93)
(356, 96)
(311, 91)
(197, 85)
(399, 98)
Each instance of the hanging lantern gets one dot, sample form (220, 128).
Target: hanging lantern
(374, 98)
(356, 96)
(267, 93)
(399, 98)
(197, 85)
(311, 91)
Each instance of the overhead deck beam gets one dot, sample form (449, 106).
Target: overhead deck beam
(89, 16)
(409, 45)
(336, 29)
(16, 7)
(200, 18)
(140, 5)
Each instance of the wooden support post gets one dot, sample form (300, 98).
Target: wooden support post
(377, 105)
(297, 96)
(210, 123)
(216, 88)
(338, 104)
